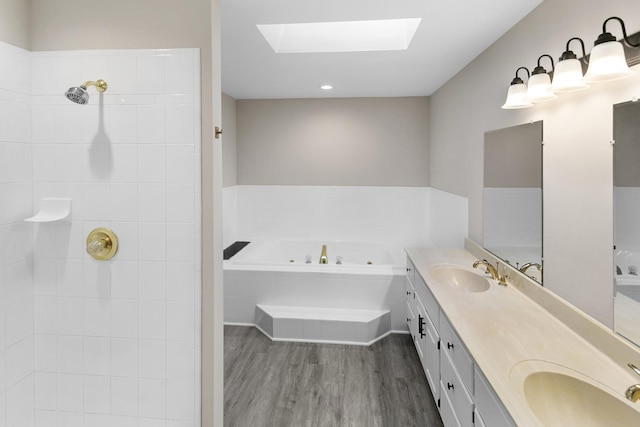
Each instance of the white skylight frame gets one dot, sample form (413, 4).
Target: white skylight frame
(343, 36)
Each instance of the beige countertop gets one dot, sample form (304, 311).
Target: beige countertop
(502, 327)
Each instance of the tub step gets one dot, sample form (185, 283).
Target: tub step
(324, 325)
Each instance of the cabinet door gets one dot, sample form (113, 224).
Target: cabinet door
(411, 321)
(447, 413)
(432, 356)
(421, 332)
(456, 392)
(488, 404)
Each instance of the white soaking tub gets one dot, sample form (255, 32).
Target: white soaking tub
(275, 273)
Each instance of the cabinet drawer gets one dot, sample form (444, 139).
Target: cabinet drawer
(452, 347)
(430, 304)
(411, 270)
(447, 413)
(410, 293)
(456, 392)
(488, 404)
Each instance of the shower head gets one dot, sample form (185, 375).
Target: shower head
(79, 94)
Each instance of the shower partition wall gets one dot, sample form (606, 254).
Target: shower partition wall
(105, 343)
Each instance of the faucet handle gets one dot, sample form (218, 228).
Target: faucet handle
(503, 280)
(634, 368)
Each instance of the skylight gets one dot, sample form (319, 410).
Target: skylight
(346, 36)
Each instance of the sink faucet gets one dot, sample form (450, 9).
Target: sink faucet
(633, 392)
(323, 255)
(489, 269)
(525, 267)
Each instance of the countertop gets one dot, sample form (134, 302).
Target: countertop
(502, 327)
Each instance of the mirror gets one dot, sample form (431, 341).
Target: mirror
(512, 196)
(626, 205)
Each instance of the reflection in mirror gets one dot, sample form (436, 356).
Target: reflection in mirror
(626, 239)
(512, 196)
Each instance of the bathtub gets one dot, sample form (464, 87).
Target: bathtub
(370, 277)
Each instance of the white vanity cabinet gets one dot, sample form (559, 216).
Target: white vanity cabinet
(424, 313)
(463, 395)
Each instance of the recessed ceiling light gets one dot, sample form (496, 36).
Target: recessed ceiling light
(326, 87)
(345, 36)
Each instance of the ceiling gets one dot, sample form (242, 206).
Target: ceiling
(451, 34)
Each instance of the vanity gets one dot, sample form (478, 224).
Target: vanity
(514, 355)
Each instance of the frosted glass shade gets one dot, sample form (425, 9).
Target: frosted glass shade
(517, 97)
(607, 62)
(540, 88)
(568, 77)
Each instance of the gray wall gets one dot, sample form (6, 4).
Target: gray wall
(229, 151)
(577, 156)
(341, 141)
(14, 22)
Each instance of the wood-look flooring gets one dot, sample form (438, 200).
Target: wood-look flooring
(280, 384)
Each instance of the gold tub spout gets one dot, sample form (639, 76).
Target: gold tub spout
(323, 255)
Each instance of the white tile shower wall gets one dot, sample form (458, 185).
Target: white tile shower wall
(16, 241)
(404, 216)
(117, 342)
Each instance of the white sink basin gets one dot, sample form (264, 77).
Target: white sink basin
(559, 396)
(459, 278)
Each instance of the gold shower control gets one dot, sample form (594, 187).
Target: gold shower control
(102, 244)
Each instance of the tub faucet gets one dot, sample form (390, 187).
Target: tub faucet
(323, 255)
(489, 269)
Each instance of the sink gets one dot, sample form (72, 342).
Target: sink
(459, 278)
(560, 396)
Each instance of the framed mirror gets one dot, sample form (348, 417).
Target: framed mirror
(626, 205)
(512, 196)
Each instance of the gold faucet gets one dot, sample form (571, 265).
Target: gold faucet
(489, 269)
(323, 255)
(633, 393)
(526, 266)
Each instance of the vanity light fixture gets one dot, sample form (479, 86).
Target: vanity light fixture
(326, 87)
(608, 60)
(567, 76)
(539, 89)
(517, 95)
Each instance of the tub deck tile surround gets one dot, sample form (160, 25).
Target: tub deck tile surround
(326, 325)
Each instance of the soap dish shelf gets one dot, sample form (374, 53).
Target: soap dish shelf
(52, 210)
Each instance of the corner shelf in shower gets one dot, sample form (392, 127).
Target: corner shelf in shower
(52, 210)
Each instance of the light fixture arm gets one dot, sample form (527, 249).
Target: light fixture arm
(608, 37)
(540, 69)
(568, 54)
(517, 80)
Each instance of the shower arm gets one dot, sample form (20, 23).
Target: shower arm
(100, 85)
